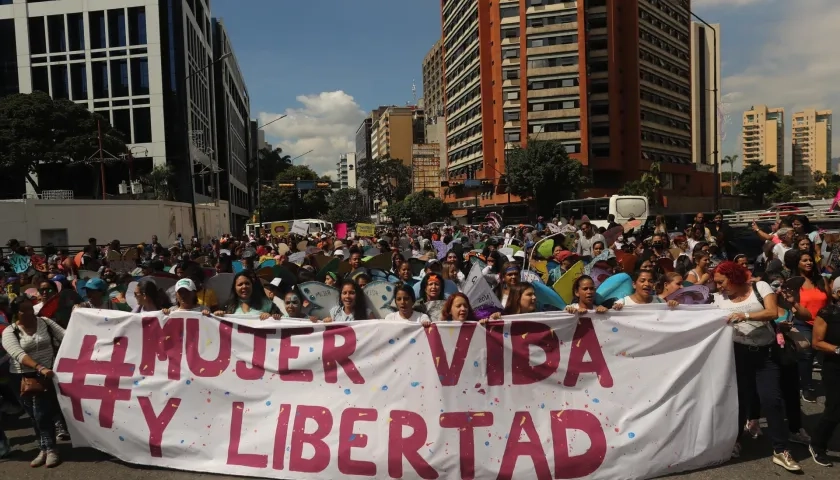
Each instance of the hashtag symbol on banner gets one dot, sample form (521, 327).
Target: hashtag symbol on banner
(108, 393)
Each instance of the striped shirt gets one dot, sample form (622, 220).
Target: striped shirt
(37, 346)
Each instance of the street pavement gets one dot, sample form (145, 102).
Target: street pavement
(89, 464)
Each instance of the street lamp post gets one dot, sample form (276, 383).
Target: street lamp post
(715, 90)
(184, 107)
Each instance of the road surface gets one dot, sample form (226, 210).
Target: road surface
(88, 464)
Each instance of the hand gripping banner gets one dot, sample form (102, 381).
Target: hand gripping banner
(634, 394)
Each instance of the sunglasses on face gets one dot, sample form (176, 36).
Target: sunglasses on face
(46, 290)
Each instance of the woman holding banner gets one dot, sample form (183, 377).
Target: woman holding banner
(752, 309)
(32, 344)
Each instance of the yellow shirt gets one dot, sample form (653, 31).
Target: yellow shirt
(207, 298)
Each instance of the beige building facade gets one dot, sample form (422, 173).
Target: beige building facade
(705, 95)
(426, 168)
(810, 146)
(763, 135)
(394, 132)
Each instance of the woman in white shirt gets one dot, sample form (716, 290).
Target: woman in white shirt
(584, 290)
(645, 285)
(404, 298)
(752, 309)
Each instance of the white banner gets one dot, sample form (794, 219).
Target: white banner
(300, 228)
(633, 394)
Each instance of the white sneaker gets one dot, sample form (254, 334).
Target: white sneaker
(40, 460)
(52, 459)
(801, 437)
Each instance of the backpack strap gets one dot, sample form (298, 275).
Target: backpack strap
(757, 295)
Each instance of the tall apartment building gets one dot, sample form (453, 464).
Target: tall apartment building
(394, 130)
(346, 168)
(142, 64)
(763, 137)
(610, 79)
(233, 108)
(433, 81)
(811, 146)
(705, 95)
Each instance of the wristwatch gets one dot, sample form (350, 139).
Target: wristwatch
(747, 316)
(837, 351)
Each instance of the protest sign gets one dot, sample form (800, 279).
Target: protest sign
(300, 228)
(280, 229)
(478, 291)
(634, 394)
(365, 229)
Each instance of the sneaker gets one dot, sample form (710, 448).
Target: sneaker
(801, 437)
(40, 460)
(809, 396)
(820, 458)
(5, 448)
(61, 432)
(786, 461)
(52, 459)
(753, 428)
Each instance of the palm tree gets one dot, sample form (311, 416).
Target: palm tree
(160, 182)
(730, 159)
(273, 162)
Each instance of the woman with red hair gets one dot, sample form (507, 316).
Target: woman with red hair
(752, 309)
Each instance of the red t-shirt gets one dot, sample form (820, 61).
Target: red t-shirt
(812, 299)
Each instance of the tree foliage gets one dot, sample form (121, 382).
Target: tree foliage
(273, 162)
(346, 205)
(159, 182)
(286, 204)
(757, 180)
(784, 191)
(543, 173)
(35, 129)
(650, 185)
(829, 187)
(729, 176)
(385, 179)
(419, 208)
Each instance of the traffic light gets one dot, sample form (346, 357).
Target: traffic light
(286, 185)
(323, 185)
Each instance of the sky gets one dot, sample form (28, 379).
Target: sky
(327, 63)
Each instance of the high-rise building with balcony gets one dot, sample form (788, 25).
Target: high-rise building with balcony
(811, 146)
(433, 81)
(346, 168)
(394, 130)
(763, 137)
(610, 79)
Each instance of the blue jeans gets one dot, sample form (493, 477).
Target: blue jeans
(806, 358)
(42, 410)
(758, 373)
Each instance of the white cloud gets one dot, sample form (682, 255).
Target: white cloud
(796, 68)
(326, 123)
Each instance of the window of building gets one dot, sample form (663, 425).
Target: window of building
(78, 81)
(510, 32)
(9, 83)
(137, 25)
(96, 22)
(37, 36)
(122, 123)
(139, 76)
(99, 75)
(511, 74)
(60, 87)
(119, 78)
(511, 137)
(507, 12)
(116, 28)
(511, 115)
(512, 95)
(55, 27)
(510, 53)
(76, 31)
(41, 79)
(142, 125)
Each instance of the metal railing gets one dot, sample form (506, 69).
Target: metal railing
(814, 214)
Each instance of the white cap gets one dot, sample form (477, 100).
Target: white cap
(338, 253)
(185, 283)
(519, 254)
(835, 285)
(276, 281)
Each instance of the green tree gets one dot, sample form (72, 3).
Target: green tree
(35, 129)
(730, 160)
(346, 206)
(544, 174)
(650, 185)
(819, 177)
(419, 208)
(159, 182)
(757, 180)
(288, 203)
(385, 179)
(829, 188)
(273, 162)
(784, 191)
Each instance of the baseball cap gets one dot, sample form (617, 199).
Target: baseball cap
(566, 254)
(185, 283)
(96, 284)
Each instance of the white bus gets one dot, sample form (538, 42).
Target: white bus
(624, 207)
